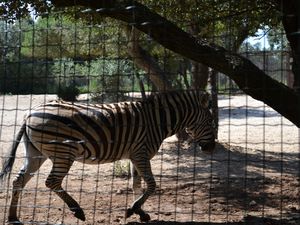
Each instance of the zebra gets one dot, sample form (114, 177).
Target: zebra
(89, 133)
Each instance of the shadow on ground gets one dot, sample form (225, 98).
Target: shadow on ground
(249, 220)
(238, 179)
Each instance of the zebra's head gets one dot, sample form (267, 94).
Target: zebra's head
(202, 130)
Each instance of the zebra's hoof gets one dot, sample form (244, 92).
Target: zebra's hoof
(14, 221)
(129, 212)
(79, 214)
(144, 217)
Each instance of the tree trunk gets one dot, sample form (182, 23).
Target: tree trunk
(199, 75)
(246, 75)
(214, 99)
(145, 61)
(142, 87)
(199, 71)
(291, 23)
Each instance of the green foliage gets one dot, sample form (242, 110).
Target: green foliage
(62, 36)
(227, 23)
(277, 39)
(113, 77)
(26, 77)
(19, 73)
(58, 48)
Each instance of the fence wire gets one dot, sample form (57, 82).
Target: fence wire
(251, 178)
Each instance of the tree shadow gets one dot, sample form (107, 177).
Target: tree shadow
(239, 177)
(234, 161)
(245, 112)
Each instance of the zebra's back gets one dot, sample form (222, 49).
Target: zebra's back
(90, 133)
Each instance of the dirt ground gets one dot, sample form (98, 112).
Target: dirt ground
(253, 177)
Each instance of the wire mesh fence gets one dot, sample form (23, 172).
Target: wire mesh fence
(77, 55)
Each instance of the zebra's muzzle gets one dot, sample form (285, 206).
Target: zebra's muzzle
(208, 147)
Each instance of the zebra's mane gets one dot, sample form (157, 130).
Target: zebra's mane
(202, 95)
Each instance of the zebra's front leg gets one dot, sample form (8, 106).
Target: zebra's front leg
(136, 182)
(143, 167)
(59, 170)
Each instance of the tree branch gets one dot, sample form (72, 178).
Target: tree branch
(246, 75)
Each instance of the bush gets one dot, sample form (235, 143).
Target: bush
(122, 169)
(68, 92)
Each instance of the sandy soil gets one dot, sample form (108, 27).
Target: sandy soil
(252, 177)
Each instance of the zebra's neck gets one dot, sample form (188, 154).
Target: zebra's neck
(170, 113)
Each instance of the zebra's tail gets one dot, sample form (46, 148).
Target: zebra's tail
(10, 158)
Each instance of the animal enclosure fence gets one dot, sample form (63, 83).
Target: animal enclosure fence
(81, 56)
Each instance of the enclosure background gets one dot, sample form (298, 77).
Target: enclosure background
(252, 176)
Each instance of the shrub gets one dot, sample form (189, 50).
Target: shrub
(122, 169)
(68, 92)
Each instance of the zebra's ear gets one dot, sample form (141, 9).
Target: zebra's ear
(204, 100)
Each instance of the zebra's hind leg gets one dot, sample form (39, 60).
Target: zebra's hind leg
(32, 162)
(143, 167)
(60, 169)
